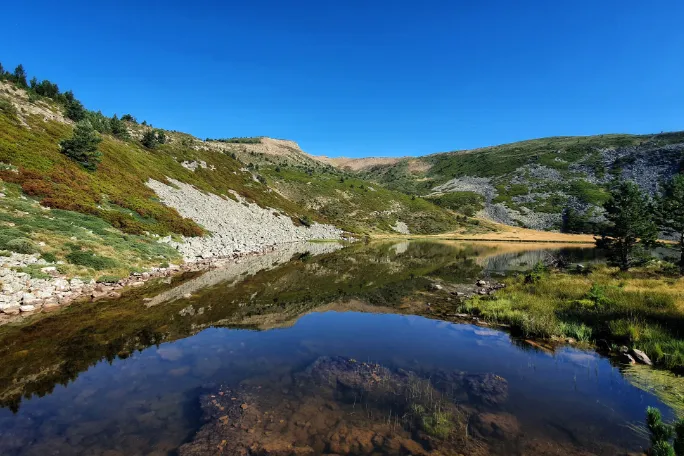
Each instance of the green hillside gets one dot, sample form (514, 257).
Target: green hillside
(545, 176)
(110, 212)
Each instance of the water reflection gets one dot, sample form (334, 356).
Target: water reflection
(126, 377)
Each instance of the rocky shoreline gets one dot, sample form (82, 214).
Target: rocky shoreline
(21, 295)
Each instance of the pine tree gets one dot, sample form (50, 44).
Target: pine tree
(73, 108)
(149, 139)
(19, 75)
(82, 146)
(118, 128)
(161, 136)
(671, 213)
(631, 226)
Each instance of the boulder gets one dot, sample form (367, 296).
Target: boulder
(27, 308)
(641, 356)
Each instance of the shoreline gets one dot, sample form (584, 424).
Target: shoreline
(58, 291)
(29, 296)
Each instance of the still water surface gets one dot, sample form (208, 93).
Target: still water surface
(137, 376)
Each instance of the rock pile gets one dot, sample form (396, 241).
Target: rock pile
(235, 225)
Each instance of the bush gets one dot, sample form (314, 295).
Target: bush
(21, 245)
(49, 257)
(89, 259)
(108, 278)
(305, 220)
(466, 202)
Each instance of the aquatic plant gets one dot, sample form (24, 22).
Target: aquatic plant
(662, 433)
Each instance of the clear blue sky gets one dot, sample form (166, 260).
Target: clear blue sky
(364, 77)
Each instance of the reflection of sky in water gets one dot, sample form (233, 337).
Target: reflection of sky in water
(150, 399)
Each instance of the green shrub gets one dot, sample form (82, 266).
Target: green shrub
(21, 245)
(466, 202)
(49, 257)
(90, 260)
(108, 278)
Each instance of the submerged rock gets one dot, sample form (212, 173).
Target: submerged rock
(486, 389)
(498, 425)
(335, 406)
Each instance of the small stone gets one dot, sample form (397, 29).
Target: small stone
(11, 311)
(137, 284)
(27, 308)
(481, 283)
(627, 358)
(28, 298)
(244, 406)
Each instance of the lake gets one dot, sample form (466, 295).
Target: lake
(313, 349)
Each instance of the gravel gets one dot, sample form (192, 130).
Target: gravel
(235, 225)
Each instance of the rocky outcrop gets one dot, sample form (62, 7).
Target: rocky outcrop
(549, 190)
(234, 224)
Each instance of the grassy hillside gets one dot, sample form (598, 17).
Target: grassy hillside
(544, 176)
(35, 175)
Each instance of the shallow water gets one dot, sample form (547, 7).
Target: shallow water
(128, 377)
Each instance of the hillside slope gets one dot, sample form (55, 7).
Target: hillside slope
(147, 205)
(533, 183)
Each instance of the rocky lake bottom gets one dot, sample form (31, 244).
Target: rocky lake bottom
(314, 354)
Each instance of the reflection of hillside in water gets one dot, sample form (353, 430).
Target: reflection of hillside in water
(233, 272)
(524, 260)
(261, 292)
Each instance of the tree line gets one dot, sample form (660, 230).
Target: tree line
(82, 146)
(635, 222)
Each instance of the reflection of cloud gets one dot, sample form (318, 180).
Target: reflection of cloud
(580, 358)
(488, 332)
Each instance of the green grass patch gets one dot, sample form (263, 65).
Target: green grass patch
(633, 309)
